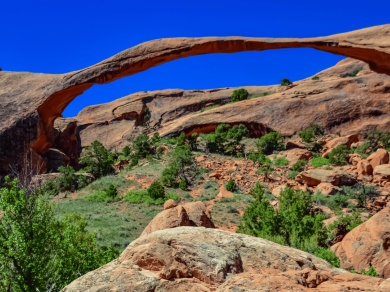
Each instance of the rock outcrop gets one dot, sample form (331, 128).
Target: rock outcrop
(368, 245)
(31, 102)
(188, 214)
(316, 176)
(202, 259)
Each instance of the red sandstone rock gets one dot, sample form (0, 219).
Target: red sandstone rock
(202, 259)
(368, 245)
(364, 167)
(327, 189)
(316, 176)
(295, 143)
(381, 156)
(382, 172)
(224, 193)
(346, 140)
(170, 204)
(295, 154)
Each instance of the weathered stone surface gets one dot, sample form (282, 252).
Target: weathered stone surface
(381, 156)
(189, 214)
(382, 172)
(31, 102)
(202, 259)
(364, 167)
(327, 189)
(316, 176)
(346, 140)
(368, 245)
(224, 193)
(295, 143)
(170, 204)
(293, 155)
(56, 158)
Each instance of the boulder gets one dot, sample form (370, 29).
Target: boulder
(293, 155)
(381, 156)
(204, 260)
(276, 191)
(327, 189)
(368, 245)
(224, 193)
(364, 167)
(335, 177)
(188, 214)
(382, 172)
(170, 204)
(346, 140)
(295, 143)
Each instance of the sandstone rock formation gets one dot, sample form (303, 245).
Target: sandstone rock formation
(368, 245)
(189, 214)
(316, 176)
(202, 259)
(31, 102)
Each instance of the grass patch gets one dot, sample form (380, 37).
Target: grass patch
(102, 184)
(209, 108)
(262, 94)
(319, 161)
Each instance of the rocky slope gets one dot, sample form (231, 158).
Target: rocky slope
(31, 102)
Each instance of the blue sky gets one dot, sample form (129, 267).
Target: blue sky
(63, 36)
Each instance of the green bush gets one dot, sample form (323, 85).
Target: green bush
(293, 174)
(252, 155)
(231, 210)
(149, 157)
(156, 139)
(294, 224)
(347, 222)
(231, 186)
(134, 162)
(67, 180)
(300, 165)
(237, 133)
(329, 256)
(239, 94)
(285, 82)
(142, 146)
(173, 196)
(169, 175)
(377, 137)
(147, 115)
(98, 160)
(101, 196)
(49, 253)
(112, 191)
(265, 170)
(339, 155)
(193, 141)
(351, 74)
(156, 191)
(281, 161)
(315, 78)
(371, 272)
(319, 161)
(270, 142)
(337, 201)
(261, 94)
(361, 193)
(306, 135)
(126, 151)
(183, 185)
(362, 149)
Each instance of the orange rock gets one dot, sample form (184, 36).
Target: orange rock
(224, 193)
(364, 167)
(316, 176)
(381, 156)
(382, 173)
(327, 189)
(215, 174)
(368, 245)
(201, 158)
(295, 143)
(293, 155)
(170, 204)
(346, 140)
(276, 191)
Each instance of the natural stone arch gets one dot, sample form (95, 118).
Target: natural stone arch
(38, 99)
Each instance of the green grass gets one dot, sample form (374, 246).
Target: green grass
(319, 161)
(101, 196)
(102, 184)
(261, 94)
(210, 190)
(120, 223)
(209, 108)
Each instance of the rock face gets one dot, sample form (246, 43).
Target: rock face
(293, 155)
(346, 140)
(368, 245)
(316, 176)
(189, 214)
(201, 259)
(31, 102)
(381, 156)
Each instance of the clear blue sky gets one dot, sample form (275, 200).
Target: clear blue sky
(63, 36)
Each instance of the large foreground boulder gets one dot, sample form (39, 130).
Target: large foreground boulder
(204, 260)
(368, 245)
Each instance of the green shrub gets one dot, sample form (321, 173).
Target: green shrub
(231, 210)
(252, 155)
(337, 201)
(293, 174)
(347, 222)
(149, 157)
(319, 161)
(339, 155)
(377, 137)
(67, 180)
(315, 78)
(231, 186)
(172, 196)
(294, 224)
(142, 146)
(126, 151)
(361, 193)
(240, 155)
(371, 272)
(103, 183)
(156, 191)
(183, 185)
(237, 133)
(328, 168)
(112, 191)
(193, 141)
(261, 94)
(49, 253)
(169, 175)
(285, 82)
(156, 139)
(320, 199)
(239, 94)
(265, 170)
(351, 74)
(329, 256)
(281, 161)
(101, 196)
(270, 142)
(362, 149)
(147, 115)
(300, 165)
(306, 135)
(98, 160)
(134, 162)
